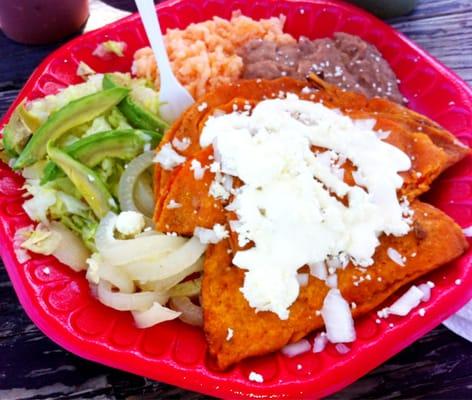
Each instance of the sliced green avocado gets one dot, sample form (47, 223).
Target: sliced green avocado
(87, 182)
(136, 115)
(16, 133)
(124, 144)
(75, 113)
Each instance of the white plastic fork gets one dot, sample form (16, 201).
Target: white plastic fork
(174, 97)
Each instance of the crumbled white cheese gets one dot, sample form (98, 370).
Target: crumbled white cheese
(130, 223)
(203, 106)
(422, 312)
(289, 197)
(229, 334)
(181, 145)
(197, 169)
(168, 157)
(255, 377)
(214, 235)
(173, 204)
(47, 270)
(458, 282)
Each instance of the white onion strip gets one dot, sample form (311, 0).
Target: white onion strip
(124, 301)
(128, 180)
(191, 313)
(119, 252)
(154, 315)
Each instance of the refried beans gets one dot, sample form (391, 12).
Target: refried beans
(345, 60)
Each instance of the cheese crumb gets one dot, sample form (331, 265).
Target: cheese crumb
(214, 235)
(130, 223)
(202, 106)
(255, 377)
(458, 282)
(197, 169)
(173, 204)
(181, 145)
(168, 157)
(421, 312)
(46, 270)
(229, 335)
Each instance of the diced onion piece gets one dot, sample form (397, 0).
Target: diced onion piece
(71, 250)
(342, 348)
(154, 315)
(337, 317)
(191, 313)
(124, 301)
(302, 279)
(396, 257)
(320, 342)
(318, 270)
(410, 299)
(426, 289)
(129, 178)
(294, 349)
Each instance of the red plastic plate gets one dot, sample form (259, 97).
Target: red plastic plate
(61, 305)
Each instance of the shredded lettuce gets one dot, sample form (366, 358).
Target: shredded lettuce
(42, 240)
(110, 46)
(99, 124)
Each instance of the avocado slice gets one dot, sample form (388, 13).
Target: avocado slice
(16, 133)
(87, 182)
(136, 115)
(124, 144)
(75, 113)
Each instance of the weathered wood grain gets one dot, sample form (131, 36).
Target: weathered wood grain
(438, 366)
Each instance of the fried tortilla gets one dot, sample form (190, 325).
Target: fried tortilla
(431, 148)
(435, 240)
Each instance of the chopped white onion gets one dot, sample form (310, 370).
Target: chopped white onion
(117, 277)
(124, 301)
(342, 348)
(191, 313)
(426, 289)
(294, 349)
(318, 270)
(467, 231)
(396, 257)
(302, 279)
(20, 236)
(410, 299)
(154, 315)
(337, 317)
(320, 342)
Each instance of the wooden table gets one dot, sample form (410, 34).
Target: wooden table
(32, 367)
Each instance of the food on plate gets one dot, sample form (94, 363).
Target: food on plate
(276, 205)
(215, 52)
(203, 55)
(236, 146)
(346, 61)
